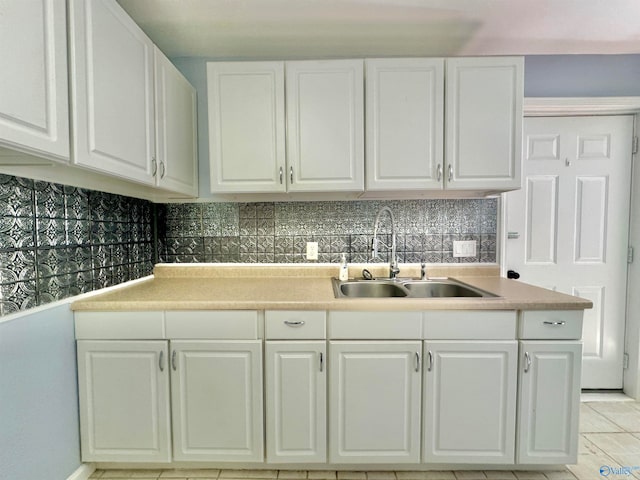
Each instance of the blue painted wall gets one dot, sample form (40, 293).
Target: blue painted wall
(582, 76)
(39, 437)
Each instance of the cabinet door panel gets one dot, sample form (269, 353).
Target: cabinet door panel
(296, 402)
(405, 108)
(34, 115)
(374, 402)
(177, 163)
(549, 401)
(246, 126)
(217, 400)
(112, 91)
(470, 402)
(325, 125)
(484, 123)
(124, 401)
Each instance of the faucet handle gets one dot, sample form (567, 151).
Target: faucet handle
(423, 271)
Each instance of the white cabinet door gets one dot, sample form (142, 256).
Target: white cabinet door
(124, 401)
(484, 123)
(549, 402)
(246, 126)
(325, 125)
(176, 163)
(295, 379)
(404, 123)
(470, 402)
(34, 115)
(216, 393)
(374, 402)
(112, 91)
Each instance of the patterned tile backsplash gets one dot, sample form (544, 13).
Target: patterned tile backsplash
(278, 232)
(57, 241)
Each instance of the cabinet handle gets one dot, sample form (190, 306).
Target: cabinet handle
(154, 166)
(162, 170)
(161, 361)
(439, 172)
(281, 173)
(321, 362)
(298, 323)
(450, 172)
(527, 362)
(291, 174)
(417, 362)
(173, 360)
(554, 323)
(430, 358)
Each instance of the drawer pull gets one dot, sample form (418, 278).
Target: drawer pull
(161, 361)
(554, 323)
(430, 358)
(321, 362)
(527, 362)
(173, 360)
(298, 323)
(417, 362)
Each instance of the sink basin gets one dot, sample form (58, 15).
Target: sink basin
(441, 288)
(371, 289)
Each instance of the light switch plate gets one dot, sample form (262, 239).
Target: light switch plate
(465, 248)
(312, 250)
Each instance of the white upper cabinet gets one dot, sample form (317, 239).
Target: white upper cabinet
(325, 125)
(111, 77)
(176, 165)
(483, 123)
(404, 123)
(34, 115)
(246, 126)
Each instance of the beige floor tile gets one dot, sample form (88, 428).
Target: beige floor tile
(248, 474)
(588, 467)
(381, 475)
(292, 474)
(118, 473)
(632, 462)
(96, 474)
(499, 475)
(347, 475)
(593, 421)
(469, 475)
(440, 475)
(587, 447)
(411, 475)
(560, 475)
(615, 443)
(146, 474)
(529, 475)
(190, 473)
(322, 475)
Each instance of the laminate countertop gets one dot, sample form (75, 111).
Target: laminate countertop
(309, 287)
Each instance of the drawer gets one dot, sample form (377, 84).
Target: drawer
(216, 325)
(295, 324)
(470, 325)
(550, 324)
(119, 325)
(375, 325)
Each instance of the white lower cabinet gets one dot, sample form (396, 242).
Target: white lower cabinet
(216, 393)
(469, 402)
(374, 401)
(549, 402)
(296, 389)
(124, 401)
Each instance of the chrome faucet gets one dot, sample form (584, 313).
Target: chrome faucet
(393, 261)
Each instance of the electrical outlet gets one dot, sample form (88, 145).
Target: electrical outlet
(466, 248)
(312, 250)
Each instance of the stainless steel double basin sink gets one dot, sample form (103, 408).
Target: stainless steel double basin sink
(388, 288)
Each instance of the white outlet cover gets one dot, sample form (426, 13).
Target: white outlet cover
(464, 248)
(312, 250)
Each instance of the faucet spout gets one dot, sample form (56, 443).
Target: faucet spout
(393, 261)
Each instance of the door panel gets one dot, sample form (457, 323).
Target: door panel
(569, 226)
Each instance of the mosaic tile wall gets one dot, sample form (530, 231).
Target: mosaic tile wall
(278, 232)
(57, 241)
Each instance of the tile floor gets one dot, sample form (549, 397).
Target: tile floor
(609, 437)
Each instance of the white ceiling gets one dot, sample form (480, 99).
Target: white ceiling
(255, 29)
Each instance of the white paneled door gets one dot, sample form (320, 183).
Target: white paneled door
(568, 227)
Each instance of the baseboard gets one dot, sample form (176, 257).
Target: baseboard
(83, 472)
